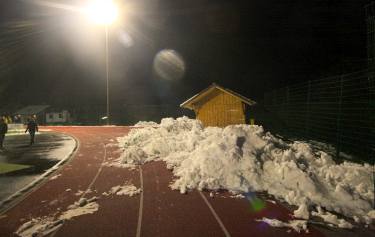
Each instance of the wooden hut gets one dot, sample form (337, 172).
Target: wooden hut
(218, 106)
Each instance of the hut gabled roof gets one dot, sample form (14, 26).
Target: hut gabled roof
(190, 103)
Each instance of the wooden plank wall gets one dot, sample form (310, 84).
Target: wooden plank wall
(222, 110)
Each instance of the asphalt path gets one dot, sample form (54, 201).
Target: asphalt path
(40, 157)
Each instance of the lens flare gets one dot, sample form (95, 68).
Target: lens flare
(169, 65)
(125, 39)
(256, 204)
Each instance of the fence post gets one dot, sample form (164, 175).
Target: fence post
(371, 80)
(338, 121)
(287, 108)
(307, 121)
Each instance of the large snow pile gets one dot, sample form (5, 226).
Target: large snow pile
(146, 124)
(244, 158)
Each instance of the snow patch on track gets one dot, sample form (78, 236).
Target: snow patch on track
(55, 177)
(127, 189)
(297, 225)
(46, 225)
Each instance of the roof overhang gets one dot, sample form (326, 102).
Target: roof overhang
(191, 103)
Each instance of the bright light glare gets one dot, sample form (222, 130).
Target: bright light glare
(102, 12)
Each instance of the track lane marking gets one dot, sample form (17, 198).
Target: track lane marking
(215, 215)
(90, 185)
(140, 212)
(97, 173)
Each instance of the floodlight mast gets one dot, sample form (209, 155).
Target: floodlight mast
(104, 12)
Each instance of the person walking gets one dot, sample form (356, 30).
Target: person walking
(32, 127)
(3, 131)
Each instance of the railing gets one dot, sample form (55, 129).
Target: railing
(339, 110)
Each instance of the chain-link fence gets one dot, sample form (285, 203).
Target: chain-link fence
(339, 110)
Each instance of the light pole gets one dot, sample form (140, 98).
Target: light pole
(104, 12)
(107, 69)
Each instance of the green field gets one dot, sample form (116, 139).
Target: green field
(7, 167)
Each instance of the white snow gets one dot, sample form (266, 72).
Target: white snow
(271, 201)
(117, 163)
(55, 177)
(89, 208)
(127, 189)
(237, 196)
(371, 214)
(297, 225)
(39, 227)
(333, 219)
(79, 193)
(302, 212)
(243, 158)
(44, 226)
(146, 124)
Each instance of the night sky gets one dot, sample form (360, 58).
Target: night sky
(53, 56)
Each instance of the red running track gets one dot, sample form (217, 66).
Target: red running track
(158, 211)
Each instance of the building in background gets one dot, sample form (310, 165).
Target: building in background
(32, 110)
(218, 106)
(62, 116)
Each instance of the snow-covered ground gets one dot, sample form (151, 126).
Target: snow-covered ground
(146, 124)
(297, 225)
(126, 189)
(43, 226)
(46, 225)
(245, 158)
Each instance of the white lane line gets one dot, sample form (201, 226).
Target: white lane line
(139, 225)
(98, 172)
(215, 215)
(90, 185)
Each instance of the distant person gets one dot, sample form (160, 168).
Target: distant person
(3, 130)
(9, 119)
(19, 120)
(32, 127)
(5, 119)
